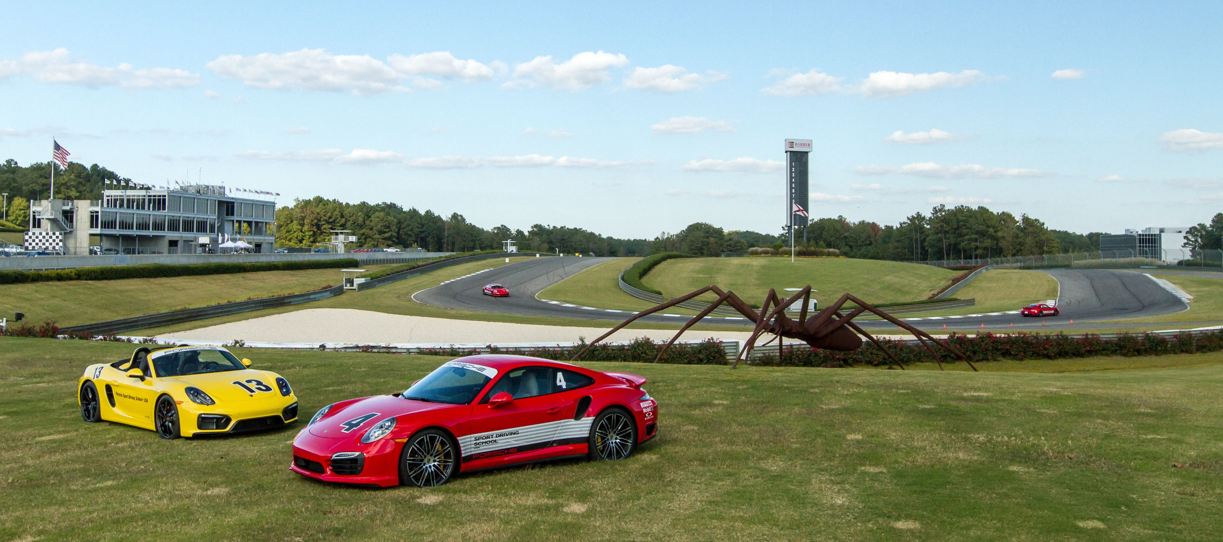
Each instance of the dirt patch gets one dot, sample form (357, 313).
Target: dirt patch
(574, 508)
(1047, 411)
(217, 491)
(51, 437)
(925, 406)
(853, 437)
(721, 402)
(907, 524)
(1092, 524)
(872, 469)
(977, 394)
(429, 500)
(1017, 468)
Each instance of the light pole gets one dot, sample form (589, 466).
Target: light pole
(5, 207)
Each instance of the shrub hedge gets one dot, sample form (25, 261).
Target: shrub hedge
(991, 347)
(157, 270)
(633, 274)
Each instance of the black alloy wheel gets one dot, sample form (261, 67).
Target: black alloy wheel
(613, 436)
(165, 418)
(91, 407)
(427, 460)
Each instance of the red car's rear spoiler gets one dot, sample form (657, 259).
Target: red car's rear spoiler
(632, 380)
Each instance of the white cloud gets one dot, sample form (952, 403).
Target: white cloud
(668, 79)
(1118, 179)
(921, 138)
(58, 66)
(886, 84)
(744, 165)
(691, 125)
(872, 186)
(581, 72)
(551, 133)
(321, 155)
(820, 197)
(310, 69)
(211, 95)
(9, 132)
(1211, 196)
(1063, 75)
(369, 156)
(530, 160)
(958, 200)
(674, 192)
(812, 83)
(937, 189)
(530, 131)
(162, 156)
(442, 64)
(1191, 140)
(298, 130)
(964, 171)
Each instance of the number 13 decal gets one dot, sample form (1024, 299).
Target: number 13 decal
(259, 386)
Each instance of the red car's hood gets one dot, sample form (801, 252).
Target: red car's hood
(498, 290)
(385, 406)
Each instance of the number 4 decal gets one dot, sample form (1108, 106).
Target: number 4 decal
(354, 423)
(560, 380)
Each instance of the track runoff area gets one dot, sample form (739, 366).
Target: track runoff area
(1088, 297)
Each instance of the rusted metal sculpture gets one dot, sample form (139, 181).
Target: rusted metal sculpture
(829, 329)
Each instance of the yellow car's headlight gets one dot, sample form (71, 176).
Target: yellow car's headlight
(198, 396)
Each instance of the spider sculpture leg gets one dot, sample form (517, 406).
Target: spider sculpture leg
(650, 311)
(921, 335)
(721, 299)
(765, 320)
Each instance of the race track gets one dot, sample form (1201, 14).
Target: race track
(1087, 296)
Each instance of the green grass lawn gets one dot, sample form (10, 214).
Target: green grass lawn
(751, 454)
(86, 301)
(872, 281)
(15, 238)
(599, 287)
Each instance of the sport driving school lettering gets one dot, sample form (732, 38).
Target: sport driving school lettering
(132, 397)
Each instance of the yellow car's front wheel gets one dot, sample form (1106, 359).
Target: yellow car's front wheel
(90, 405)
(165, 417)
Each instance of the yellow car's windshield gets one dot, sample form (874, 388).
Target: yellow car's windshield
(191, 362)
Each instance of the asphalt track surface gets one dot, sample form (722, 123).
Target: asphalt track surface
(1086, 296)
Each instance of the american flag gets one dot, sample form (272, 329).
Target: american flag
(798, 210)
(60, 155)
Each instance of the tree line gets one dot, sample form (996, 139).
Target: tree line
(960, 232)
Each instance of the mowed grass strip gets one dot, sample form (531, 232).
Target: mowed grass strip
(872, 281)
(749, 454)
(85, 301)
(599, 287)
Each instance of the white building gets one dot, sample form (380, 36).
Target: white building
(1163, 243)
(191, 219)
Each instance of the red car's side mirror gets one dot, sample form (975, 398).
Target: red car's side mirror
(500, 399)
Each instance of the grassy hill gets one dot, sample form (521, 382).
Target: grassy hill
(751, 454)
(81, 302)
(872, 281)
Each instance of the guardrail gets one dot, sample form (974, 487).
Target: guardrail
(1178, 258)
(41, 263)
(956, 287)
(160, 319)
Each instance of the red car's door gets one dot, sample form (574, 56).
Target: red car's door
(515, 431)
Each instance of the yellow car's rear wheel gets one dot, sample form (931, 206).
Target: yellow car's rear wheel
(165, 417)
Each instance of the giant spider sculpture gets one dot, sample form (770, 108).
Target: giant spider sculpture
(829, 328)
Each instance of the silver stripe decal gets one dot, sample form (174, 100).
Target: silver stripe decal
(524, 436)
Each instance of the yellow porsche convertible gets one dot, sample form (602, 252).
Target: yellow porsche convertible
(186, 391)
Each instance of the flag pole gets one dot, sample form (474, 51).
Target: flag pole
(53, 143)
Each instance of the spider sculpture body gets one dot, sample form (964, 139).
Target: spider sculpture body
(830, 328)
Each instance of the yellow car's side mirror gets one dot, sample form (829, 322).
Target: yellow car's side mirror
(246, 362)
(136, 373)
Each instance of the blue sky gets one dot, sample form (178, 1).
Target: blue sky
(631, 120)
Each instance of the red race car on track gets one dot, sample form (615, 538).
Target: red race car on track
(496, 290)
(1039, 309)
(476, 413)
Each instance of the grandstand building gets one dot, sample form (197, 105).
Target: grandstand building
(1166, 244)
(192, 219)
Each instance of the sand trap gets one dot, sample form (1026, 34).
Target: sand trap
(376, 328)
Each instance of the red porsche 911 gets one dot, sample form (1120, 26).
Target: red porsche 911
(496, 290)
(1039, 309)
(477, 413)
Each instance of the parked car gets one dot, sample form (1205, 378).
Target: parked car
(282, 251)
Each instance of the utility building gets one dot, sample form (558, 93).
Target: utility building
(1166, 244)
(190, 219)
